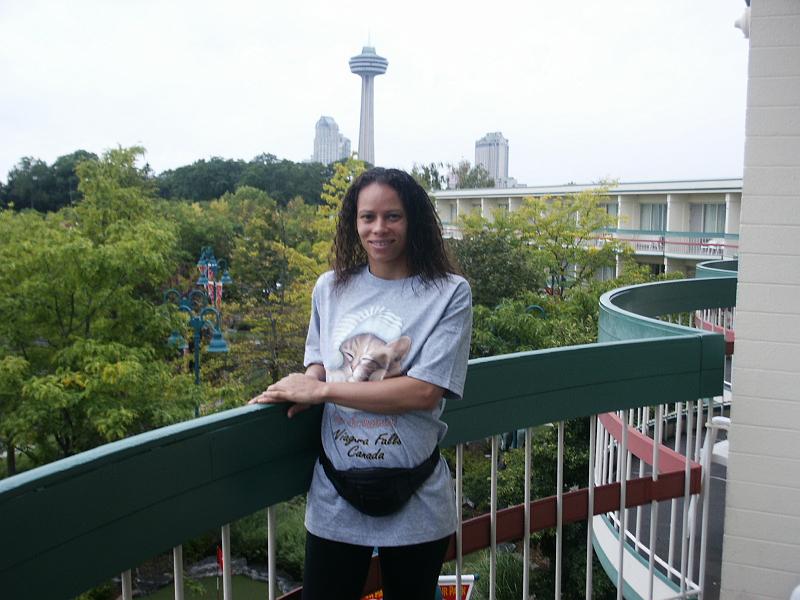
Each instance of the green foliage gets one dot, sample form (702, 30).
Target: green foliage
(106, 591)
(429, 176)
(567, 234)
(81, 328)
(284, 179)
(333, 192)
(509, 576)
(205, 180)
(495, 260)
(35, 185)
(249, 535)
(275, 270)
(202, 180)
(467, 177)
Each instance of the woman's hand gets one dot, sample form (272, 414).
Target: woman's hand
(302, 390)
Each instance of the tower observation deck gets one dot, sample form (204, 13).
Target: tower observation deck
(367, 65)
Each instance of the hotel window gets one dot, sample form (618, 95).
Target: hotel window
(714, 218)
(653, 217)
(613, 211)
(708, 218)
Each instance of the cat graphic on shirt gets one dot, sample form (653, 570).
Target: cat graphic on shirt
(369, 358)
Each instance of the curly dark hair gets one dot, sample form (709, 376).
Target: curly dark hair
(427, 256)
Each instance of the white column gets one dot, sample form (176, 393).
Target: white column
(761, 545)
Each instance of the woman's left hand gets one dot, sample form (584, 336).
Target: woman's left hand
(298, 388)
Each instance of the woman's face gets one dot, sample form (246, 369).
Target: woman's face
(382, 228)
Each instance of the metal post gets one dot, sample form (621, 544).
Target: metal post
(590, 506)
(686, 497)
(654, 504)
(227, 584)
(271, 551)
(673, 508)
(177, 569)
(559, 507)
(493, 521)
(623, 513)
(526, 537)
(127, 585)
(712, 436)
(460, 516)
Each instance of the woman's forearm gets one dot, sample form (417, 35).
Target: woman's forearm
(390, 396)
(316, 371)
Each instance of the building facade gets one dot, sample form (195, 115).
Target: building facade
(669, 225)
(329, 144)
(491, 152)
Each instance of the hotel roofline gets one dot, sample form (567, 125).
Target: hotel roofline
(688, 186)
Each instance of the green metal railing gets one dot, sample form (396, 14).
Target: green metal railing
(717, 268)
(87, 518)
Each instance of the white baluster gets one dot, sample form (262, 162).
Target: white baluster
(227, 583)
(493, 521)
(590, 505)
(460, 516)
(526, 537)
(272, 549)
(559, 507)
(654, 505)
(177, 569)
(687, 497)
(127, 585)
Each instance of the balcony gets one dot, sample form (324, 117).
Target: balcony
(692, 245)
(90, 517)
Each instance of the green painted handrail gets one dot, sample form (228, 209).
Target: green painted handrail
(717, 268)
(74, 523)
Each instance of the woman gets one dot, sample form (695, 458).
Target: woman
(387, 343)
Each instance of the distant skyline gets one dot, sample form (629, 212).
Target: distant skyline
(330, 144)
(584, 91)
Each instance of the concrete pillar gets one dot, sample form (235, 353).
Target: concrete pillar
(761, 545)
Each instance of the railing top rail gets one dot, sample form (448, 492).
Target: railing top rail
(717, 268)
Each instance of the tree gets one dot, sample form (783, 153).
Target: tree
(82, 341)
(333, 191)
(429, 176)
(30, 185)
(202, 180)
(33, 184)
(495, 260)
(466, 176)
(568, 234)
(273, 282)
(283, 180)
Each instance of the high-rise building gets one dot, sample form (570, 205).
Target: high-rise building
(329, 144)
(491, 152)
(367, 65)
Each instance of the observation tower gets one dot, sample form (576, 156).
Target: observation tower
(367, 65)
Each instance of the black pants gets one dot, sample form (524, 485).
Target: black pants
(337, 571)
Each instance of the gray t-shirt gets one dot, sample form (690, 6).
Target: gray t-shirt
(369, 330)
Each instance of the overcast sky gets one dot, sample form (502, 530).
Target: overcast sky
(633, 90)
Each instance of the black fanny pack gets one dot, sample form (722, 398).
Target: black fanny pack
(379, 492)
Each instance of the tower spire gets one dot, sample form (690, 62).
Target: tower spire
(367, 65)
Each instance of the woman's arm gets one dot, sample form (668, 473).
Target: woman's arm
(390, 396)
(316, 371)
